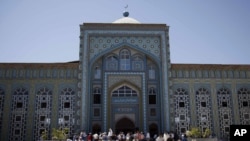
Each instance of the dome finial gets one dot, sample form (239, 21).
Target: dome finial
(126, 13)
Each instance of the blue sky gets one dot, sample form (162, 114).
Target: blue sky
(201, 31)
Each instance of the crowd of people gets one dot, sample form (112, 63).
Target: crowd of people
(130, 136)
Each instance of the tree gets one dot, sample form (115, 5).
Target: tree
(59, 134)
(195, 132)
(207, 133)
(44, 135)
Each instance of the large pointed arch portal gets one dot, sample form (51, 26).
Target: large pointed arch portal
(124, 125)
(124, 100)
(125, 108)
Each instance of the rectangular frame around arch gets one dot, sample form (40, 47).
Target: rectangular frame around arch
(105, 108)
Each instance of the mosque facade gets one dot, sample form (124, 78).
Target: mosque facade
(123, 80)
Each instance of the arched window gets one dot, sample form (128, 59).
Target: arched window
(224, 110)
(43, 111)
(137, 63)
(19, 113)
(203, 106)
(224, 98)
(21, 91)
(44, 97)
(97, 95)
(202, 97)
(44, 91)
(151, 72)
(67, 98)
(66, 109)
(182, 110)
(97, 72)
(112, 63)
(244, 105)
(244, 97)
(124, 59)
(181, 98)
(21, 97)
(124, 91)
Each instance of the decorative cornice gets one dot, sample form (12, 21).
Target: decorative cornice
(209, 67)
(73, 65)
(108, 26)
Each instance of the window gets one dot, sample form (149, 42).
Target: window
(181, 104)
(137, 63)
(42, 118)
(43, 105)
(124, 91)
(224, 104)
(245, 103)
(18, 118)
(1, 99)
(111, 63)
(246, 116)
(97, 95)
(183, 130)
(66, 104)
(41, 131)
(17, 131)
(66, 110)
(152, 99)
(67, 91)
(19, 105)
(224, 108)
(224, 98)
(44, 91)
(97, 99)
(151, 73)
(227, 129)
(181, 109)
(97, 73)
(21, 91)
(152, 96)
(66, 118)
(152, 91)
(203, 104)
(203, 117)
(124, 60)
(19, 113)
(226, 116)
(182, 117)
(44, 96)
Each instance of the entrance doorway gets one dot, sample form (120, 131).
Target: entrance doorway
(124, 125)
(153, 130)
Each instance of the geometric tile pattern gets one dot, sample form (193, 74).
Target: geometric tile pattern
(1, 107)
(182, 110)
(19, 106)
(43, 113)
(203, 109)
(224, 110)
(244, 105)
(66, 109)
(100, 44)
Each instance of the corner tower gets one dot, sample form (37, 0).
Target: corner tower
(124, 76)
